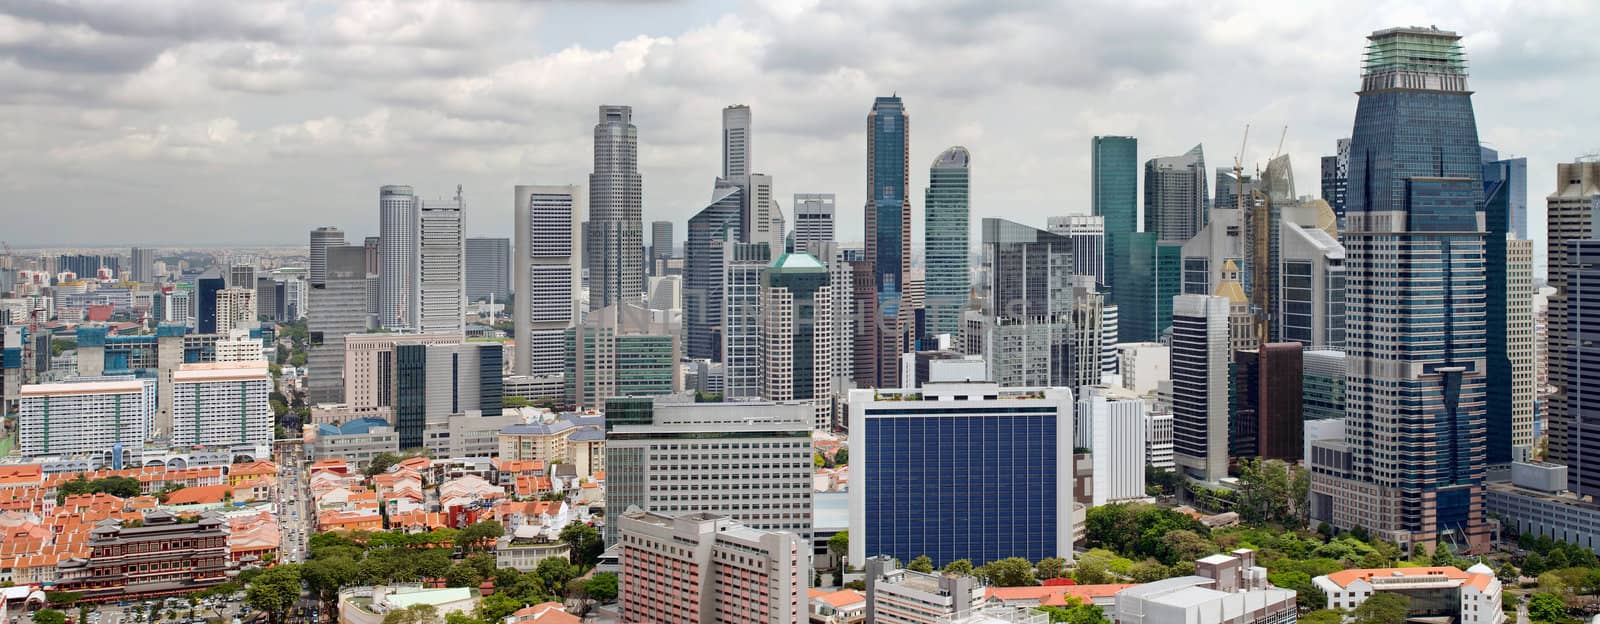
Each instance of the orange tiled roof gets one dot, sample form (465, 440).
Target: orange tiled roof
(200, 495)
(841, 598)
(1054, 595)
(1344, 578)
(253, 469)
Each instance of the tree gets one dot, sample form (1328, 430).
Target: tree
(64, 599)
(1360, 532)
(841, 456)
(921, 564)
(602, 587)
(959, 566)
(474, 536)
(49, 616)
(456, 617)
(1543, 607)
(1186, 545)
(1011, 572)
(414, 614)
(1051, 568)
(555, 572)
(1556, 561)
(1323, 616)
(1149, 571)
(1382, 608)
(274, 591)
(326, 576)
(380, 463)
(839, 547)
(298, 359)
(1076, 612)
(1533, 565)
(583, 542)
(495, 607)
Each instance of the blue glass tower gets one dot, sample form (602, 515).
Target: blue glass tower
(1115, 196)
(1415, 389)
(206, 319)
(946, 227)
(888, 213)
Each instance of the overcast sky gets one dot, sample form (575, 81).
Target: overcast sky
(208, 122)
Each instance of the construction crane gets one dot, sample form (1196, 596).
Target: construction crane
(1238, 171)
(1285, 134)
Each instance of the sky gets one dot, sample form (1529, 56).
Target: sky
(197, 122)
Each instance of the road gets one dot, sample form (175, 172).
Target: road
(293, 503)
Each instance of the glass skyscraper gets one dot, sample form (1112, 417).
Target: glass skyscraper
(946, 229)
(888, 228)
(1415, 416)
(1115, 196)
(711, 232)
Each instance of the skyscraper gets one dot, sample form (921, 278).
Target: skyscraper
(1569, 213)
(741, 319)
(143, 260)
(488, 269)
(374, 248)
(736, 152)
(206, 289)
(1582, 307)
(1114, 196)
(947, 207)
(1088, 236)
(1268, 407)
(548, 246)
(797, 342)
(397, 222)
(321, 239)
(620, 351)
(1175, 201)
(813, 219)
(1200, 386)
(888, 231)
(1024, 305)
(660, 246)
(1415, 421)
(1508, 263)
(712, 233)
(236, 309)
(616, 227)
(1514, 173)
(1336, 179)
(439, 296)
(338, 307)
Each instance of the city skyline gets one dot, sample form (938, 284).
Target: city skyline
(276, 116)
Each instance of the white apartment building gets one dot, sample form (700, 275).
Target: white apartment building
(222, 404)
(703, 567)
(236, 308)
(88, 418)
(1144, 365)
(238, 346)
(1158, 439)
(1112, 425)
(899, 596)
(439, 300)
(547, 274)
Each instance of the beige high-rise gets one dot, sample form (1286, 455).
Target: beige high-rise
(1569, 215)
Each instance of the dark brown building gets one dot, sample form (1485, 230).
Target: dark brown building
(1268, 420)
(166, 556)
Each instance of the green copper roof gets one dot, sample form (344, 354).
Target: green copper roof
(797, 260)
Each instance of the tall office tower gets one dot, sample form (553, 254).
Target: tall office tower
(1308, 306)
(947, 205)
(1577, 375)
(206, 289)
(760, 220)
(923, 470)
(1175, 198)
(178, 309)
(705, 567)
(1112, 425)
(1114, 197)
(616, 236)
(888, 212)
(86, 266)
(434, 383)
(439, 296)
(651, 447)
(813, 219)
(1514, 173)
(1322, 381)
(488, 269)
(321, 239)
(660, 246)
(796, 340)
(397, 250)
(1241, 323)
(1088, 236)
(143, 260)
(1508, 263)
(221, 404)
(620, 351)
(1200, 386)
(1568, 213)
(1230, 188)
(1026, 313)
(337, 307)
(1336, 179)
(1138, 292)
(369, 365)
(842, 317)
(1085, 345)
(736, 139)
(1109, 326)
(548, 248)
(1268, 408)
(236, 308)
(374, 248)
(741, 319)
(712, 233)
(242, 276)
(106, 420)
(270, 299)
(1415, 419)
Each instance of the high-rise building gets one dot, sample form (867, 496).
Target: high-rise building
(888, 232)
(397, 222)
(741, 319)
(236, 308)
(221, 405)
(107, 421)
(1508, 267)
(660, 246)
(272, 299)
(242, 276)
(620, 351)
(615, 239)
(87, 266)
(489, 269)
(548, 248)
(1200, 361)
(1568, 211)
(813, 219)
(1268, 416)
(1513, 172)
(1582, 308)
(206, 289)
(660, 457)
(947, 206)
(1114, 197)
(1138, 292)
(712, 233)
(1308, 306)
(705, 567)
(373, 245)
(337, 307)
(797, 342)
(1024, 310)
(736, 139)
(436, 383)
(1415, 418)
(1322, 381)
(143, 260)
(1112, 426)
(1086, 344)
(1088, 236)
(439, 295)
(1336, 179)
(923, 472)
(896, 595)
(1175, 199)
(369, 367)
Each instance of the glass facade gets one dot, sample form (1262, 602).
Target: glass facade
(888, 234)
(930, 484)
(1115, 196)
(711, 231)
(946, 230)
(411, 390)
